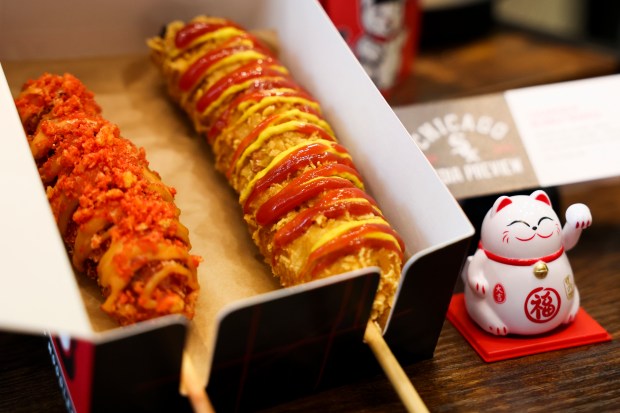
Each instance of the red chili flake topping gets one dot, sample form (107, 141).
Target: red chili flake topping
(93, 173)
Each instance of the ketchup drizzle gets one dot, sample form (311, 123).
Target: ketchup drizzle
(192, 31)
(253, 70)
(331, 206)
(349, 243)
(313, 153)
(257, 91)
(303, 188)
(228, 48)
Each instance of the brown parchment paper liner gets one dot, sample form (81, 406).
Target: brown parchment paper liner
(132, 95)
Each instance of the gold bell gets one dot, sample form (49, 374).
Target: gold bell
(541, 270)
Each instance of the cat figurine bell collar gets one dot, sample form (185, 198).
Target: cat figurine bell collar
(520, 281)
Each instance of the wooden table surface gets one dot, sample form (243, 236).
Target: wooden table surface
(585, 378)
(506, 58)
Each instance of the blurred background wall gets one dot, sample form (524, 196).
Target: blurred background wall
(592, 21)
(560, 17)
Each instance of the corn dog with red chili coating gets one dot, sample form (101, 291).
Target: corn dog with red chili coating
(117, 219)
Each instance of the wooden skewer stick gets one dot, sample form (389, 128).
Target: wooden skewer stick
(393, 370)
(191, 387)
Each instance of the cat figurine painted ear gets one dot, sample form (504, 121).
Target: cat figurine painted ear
(520, 281)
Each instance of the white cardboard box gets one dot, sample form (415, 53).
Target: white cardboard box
(104, 367)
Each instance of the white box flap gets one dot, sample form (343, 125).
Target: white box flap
(38, 290)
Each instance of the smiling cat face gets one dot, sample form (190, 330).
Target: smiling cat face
(522, 226)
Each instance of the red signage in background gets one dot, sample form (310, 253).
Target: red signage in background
(383, 34)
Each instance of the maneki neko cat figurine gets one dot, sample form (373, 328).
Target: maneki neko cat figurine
(519, 281)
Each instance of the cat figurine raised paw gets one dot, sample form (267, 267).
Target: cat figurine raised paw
(520, 281)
